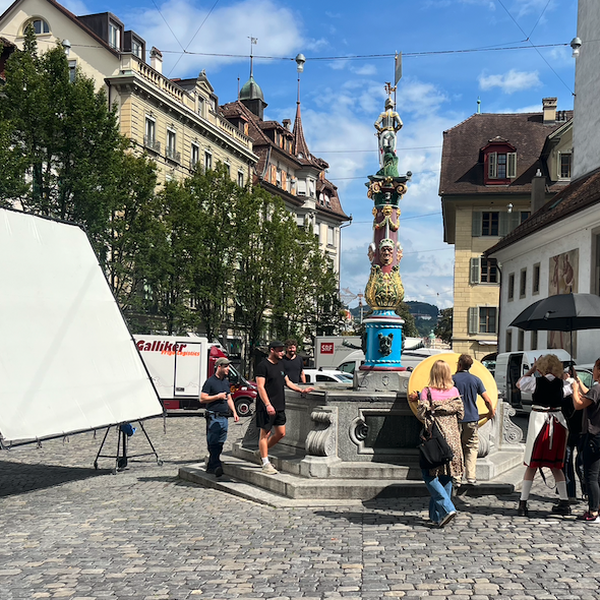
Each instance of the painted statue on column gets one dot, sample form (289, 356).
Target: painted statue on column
(384, 291)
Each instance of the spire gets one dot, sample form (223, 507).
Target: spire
(300, 146)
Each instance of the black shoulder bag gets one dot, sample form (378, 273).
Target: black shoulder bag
(434, 450)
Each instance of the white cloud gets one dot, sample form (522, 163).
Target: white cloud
(368, 69)
(276, 27)
(513, 81)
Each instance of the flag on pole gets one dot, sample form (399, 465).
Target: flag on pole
(398, 68)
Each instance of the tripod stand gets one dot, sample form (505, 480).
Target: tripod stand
(121, 459)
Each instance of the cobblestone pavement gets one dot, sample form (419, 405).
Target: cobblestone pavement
(69, 531)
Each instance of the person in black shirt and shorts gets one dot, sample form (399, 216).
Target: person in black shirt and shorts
(270, 410)
(292, 363)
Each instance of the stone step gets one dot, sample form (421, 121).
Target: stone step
(247, 480)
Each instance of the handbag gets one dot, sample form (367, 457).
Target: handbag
(434, 450)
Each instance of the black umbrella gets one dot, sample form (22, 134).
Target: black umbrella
(563, 312)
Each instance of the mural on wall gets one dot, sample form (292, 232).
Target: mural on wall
(563, 279)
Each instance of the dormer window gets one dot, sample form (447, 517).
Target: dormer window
(500, 162)
(114, 35)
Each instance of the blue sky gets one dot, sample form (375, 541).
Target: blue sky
(342, 96)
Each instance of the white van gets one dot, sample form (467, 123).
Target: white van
(511, 366)
(409, 358)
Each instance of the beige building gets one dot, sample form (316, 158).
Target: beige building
(177, 122)
(287, 169)
(496, 170)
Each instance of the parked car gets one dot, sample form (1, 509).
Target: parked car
(327, 376)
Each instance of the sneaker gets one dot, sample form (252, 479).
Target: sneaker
(471, 481)
(219, 471)
(445, 520)
(588, 517)
(562, 508)
(269, 469)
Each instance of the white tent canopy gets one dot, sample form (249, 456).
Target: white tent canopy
(67, 360)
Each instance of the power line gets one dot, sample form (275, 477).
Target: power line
(366, 177)
(536, 47)
(315, 152)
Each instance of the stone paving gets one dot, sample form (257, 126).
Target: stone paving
(69, 531)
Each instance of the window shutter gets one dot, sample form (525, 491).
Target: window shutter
(503, 223)
(475, 270)
(476, 227)
(511, 167)
(493, 165)
(473, 320)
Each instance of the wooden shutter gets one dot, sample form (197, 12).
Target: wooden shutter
(475, 270)
(473, 320)
(476, 224)
(511, 165)
(493, 165)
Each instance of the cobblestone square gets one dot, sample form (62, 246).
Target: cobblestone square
(70, 531)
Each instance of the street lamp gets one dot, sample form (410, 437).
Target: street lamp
(576, 45)
(66, 44)
(300, 60)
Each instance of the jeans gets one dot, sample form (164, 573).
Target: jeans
(591, 468)
(572, 466)
(216, 435)
(440, 489)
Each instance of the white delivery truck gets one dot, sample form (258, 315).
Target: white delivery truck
(511, 366)
(332, 350)
(180, 365)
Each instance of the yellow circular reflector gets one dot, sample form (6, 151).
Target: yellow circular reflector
(420, 378)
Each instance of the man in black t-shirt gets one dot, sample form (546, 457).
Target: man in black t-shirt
(292, 363)
(271, 380)
(216, 395)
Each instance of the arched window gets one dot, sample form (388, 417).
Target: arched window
(39, 26)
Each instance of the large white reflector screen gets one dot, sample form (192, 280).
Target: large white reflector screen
(67, 360)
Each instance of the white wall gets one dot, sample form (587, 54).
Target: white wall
(586, 147)
(576, 232)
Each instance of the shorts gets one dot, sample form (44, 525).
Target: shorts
(266, 421)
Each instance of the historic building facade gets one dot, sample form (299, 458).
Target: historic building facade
(177, 122)
(496, 170)
(286, 168)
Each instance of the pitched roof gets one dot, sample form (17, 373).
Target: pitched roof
(73, 18)
(462, 160)
(579, 195)
(264, 146)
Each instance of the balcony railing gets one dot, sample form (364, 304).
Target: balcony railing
(151, 143)
(172, 154)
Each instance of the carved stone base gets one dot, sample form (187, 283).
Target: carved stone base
(381, 381)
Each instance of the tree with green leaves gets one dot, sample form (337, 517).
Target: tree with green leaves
(61, 140)
(443, 329)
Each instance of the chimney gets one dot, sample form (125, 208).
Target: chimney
(156, 59)
(549, 107)
(538, 192)
(287, 123)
